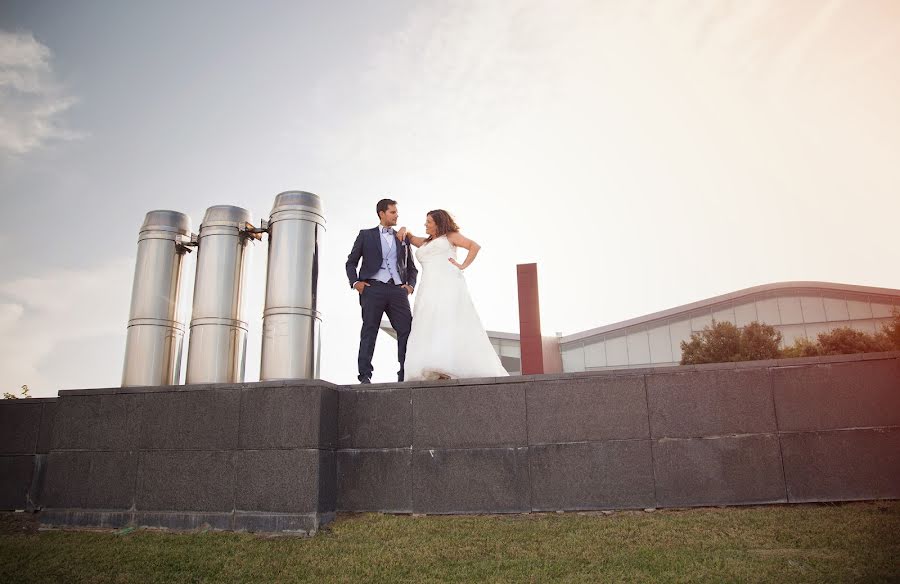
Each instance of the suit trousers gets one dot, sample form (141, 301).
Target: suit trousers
(376, 300)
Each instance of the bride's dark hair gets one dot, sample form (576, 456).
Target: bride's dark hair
(444, 222)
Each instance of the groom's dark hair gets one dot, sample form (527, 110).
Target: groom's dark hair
(383, 205)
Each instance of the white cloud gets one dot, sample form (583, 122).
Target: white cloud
(10, 313)
(452, 76)
(634, 129)
(32, 101)
(44, 317)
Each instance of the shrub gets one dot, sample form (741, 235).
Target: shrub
(723, 342)
(802, 347)
(759, 341)
(892, 331)
(8, 395)
(845, 341)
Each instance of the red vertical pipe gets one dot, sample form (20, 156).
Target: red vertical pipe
(529, 320)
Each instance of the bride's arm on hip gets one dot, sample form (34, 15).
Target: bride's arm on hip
(459, 240)
(404, 233)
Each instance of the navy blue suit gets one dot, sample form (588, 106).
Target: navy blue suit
(379, 298)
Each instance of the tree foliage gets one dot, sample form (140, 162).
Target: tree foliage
(8, 395)
(723, 342)
(892, 330)
(845, 341)
(802, 347)
(759, 341)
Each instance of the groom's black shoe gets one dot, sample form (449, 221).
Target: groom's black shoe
(365, 380)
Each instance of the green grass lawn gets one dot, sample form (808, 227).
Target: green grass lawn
(856, 542)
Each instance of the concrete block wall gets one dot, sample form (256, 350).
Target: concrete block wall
(284, 456)
(822, 429)
(257, 457)
(25, 427)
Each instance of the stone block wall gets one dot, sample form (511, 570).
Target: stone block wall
(25, 427)
(257, 457)
(823, 429)
(839, 427)
(284, 456)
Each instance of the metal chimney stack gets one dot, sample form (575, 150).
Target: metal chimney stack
(291, 321)
(155, 327)
(218, 342)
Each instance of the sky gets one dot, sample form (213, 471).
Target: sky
(644, 154)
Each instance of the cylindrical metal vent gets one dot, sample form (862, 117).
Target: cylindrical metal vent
(291, 321)
(218, 342)
(155, 327)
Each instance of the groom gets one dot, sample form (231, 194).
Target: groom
(384, 283)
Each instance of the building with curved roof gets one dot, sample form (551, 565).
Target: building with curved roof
(796, 309)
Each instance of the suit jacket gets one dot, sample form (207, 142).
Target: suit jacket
(368, 247)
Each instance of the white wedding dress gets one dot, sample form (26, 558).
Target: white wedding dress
(447, 336)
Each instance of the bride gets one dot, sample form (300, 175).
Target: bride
(447, 340)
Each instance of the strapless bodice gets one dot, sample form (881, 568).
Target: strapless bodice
(438, 249)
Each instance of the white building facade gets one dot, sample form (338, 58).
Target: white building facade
(796, 309)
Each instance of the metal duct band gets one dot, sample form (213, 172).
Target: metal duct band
(291, 321)
(155, 325)
(218, 322)
(179, 326)
(218, 341)
(290, 310)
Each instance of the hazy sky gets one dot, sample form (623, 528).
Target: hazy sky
(644, 154)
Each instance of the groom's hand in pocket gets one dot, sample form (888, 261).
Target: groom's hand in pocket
(360, 286)
(408, 288)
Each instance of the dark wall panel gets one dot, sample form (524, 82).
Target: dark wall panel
(375, 419)
(287, 417)
(587, 409)
(838, 395)
(192, 419)
(193, 480)
(19, 426)
(374, 480)
(599, 475)
(284, 481)
(488, 480)
(720, 471)
(842, 465)
(48, 412)
(473, 416)
(15, 479)
(710, 403)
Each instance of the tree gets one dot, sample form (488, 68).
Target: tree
(723, 342)
(845, 341)
(7, 395)
(802, 347)
(892, 331)
(759, 341)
